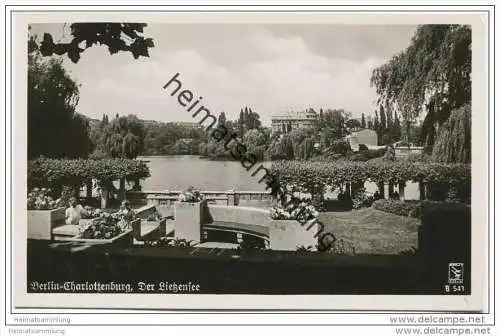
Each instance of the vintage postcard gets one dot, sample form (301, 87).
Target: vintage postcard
(264, 161)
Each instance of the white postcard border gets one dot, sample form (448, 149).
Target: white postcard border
(343, 302)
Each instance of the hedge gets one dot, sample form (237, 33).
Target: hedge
(401, 208)
(56, 172)
(315, 175)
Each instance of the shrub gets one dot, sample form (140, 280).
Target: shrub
(367, 154)
(44, 172)
(328, 157)
(313, 176)
(419, 157)
(39, 199)
(339, 147)
(359, 157)
(402, 208)
(342, 247)
(191, 195)
(362, 199)
(66, 194)
(362, 147)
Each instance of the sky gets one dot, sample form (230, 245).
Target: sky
(269, 68)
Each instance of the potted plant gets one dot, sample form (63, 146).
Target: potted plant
(188, 212)
(44, 213)
(292, 224)
(107, 229)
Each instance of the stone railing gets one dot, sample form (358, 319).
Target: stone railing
(229, 197)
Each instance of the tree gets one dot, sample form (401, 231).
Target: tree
(55, 130)
(248, 120)
(353, 124)
(256, 143)
(281, 148)
(222, 119)
(123, 137)
(363, 121)
(254, 120)
(396, 128)
(383, 120)
(376, 128)
(241, 123)
(431, 75)
(105, 119)
(116, 36)
(453, 143)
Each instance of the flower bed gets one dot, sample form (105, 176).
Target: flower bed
(124, 238)
(107, 229)
(107, 226)
(191, 195)
(39, 199)
(402, 208)
(44, 213)
(294, 209)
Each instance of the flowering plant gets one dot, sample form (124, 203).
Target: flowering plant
(154, 217)
(39, 199)
(191, 195)
(106, 226)
(294, 211)
(362, 199)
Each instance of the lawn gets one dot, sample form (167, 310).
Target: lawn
(372, 231)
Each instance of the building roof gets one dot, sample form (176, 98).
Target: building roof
(188, 124)
(293, 115)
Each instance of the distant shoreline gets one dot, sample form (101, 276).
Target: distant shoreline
(222, 159)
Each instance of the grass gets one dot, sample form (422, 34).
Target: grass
(372, 231)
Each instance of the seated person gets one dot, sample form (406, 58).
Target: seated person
(126, 213)
(74, 212)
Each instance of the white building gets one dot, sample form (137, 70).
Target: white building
(288, 121)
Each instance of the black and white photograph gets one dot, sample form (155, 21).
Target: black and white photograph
(250, 158)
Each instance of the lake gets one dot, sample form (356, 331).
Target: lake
(180, 172)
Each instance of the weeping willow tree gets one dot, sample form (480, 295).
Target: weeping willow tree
(431, 77)
(453, 143)
(123, 137)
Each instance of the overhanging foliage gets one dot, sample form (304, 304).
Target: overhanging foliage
(44, 172)
(312, 176)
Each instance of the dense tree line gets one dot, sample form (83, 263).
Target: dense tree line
(247, 127)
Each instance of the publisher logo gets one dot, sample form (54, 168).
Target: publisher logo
(455, 273)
